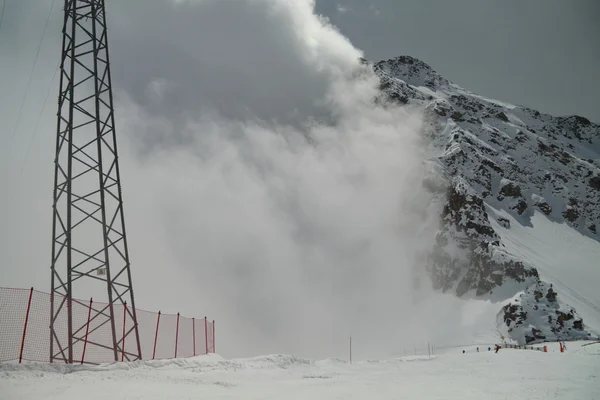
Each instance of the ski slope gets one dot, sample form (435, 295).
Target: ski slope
(563, 256)
(510, 374)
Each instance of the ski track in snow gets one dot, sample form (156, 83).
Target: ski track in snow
(563, 257)
(510, 374)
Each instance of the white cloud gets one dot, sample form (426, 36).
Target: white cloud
(262, 186)
(342, 9)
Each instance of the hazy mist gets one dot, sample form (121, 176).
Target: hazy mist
(262, 187)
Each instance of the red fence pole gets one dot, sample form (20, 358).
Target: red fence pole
(87, 330)
(194, 333)
(156, 335)
(213, 338)
(350, 348)
(25, 325)
(123, 342)
(206, 335)
(177, 335)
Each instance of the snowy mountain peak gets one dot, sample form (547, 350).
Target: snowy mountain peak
(413, 71)
(503, 165)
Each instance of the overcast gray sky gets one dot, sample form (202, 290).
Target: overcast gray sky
(543, 54)
(229, 211)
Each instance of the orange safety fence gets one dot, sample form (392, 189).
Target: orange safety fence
(25, 331)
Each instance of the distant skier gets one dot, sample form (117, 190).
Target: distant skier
(497, 347)
(478, 349)
(489, 349)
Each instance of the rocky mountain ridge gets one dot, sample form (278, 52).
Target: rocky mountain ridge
(494, 155)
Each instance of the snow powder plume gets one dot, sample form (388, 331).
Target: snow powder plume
(274, 193)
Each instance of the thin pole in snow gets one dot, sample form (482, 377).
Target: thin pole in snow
(205, 335)
(87, 330)
(428, 351)
(156, 335)
(176, 335)
(25, 325)
(124, 323)
(214, 348)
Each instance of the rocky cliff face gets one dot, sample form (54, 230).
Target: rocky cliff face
(500, 156)
(538, 315)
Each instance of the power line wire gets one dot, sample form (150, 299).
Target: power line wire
(37, 54)
(2, 13)
(37, 123)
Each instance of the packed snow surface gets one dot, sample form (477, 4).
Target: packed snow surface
(510, 374)
(563, 256)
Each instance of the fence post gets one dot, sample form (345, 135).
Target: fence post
(87, 330)
(177, 335)
(123, 341)
(213, 338)
(205, 335)
(428, 351)
(156, 335)
(194, 334)
(25, 325)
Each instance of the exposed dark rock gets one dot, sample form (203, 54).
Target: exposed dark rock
(551, 295)
(582, 120)
(543, 148)
(562, 317)
(466, 223)
(595, 182)
(511, 190)
(536, 335)
(502, 116)
(522, 137)
(457, 116)
(503, 222)
(514, 315)
(517, 271)
(521, 206)
(493, 166)
(563, 157)
(571, 214)
(544, 207)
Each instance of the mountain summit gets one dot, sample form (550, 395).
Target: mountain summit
(503, 165)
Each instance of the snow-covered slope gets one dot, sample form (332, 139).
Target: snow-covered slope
(510, 374)
(511, 173)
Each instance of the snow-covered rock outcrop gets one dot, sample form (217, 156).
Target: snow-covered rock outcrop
(538, 315)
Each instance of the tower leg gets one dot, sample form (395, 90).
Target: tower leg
(90, 257)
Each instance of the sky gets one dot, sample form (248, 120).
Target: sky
(543, 54)
(261, 188)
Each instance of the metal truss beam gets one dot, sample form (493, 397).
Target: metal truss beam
(89, 245)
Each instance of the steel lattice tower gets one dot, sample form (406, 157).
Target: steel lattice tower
(89, 245)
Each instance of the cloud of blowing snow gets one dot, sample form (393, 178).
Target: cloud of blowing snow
(273, 195)
(261, 185)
